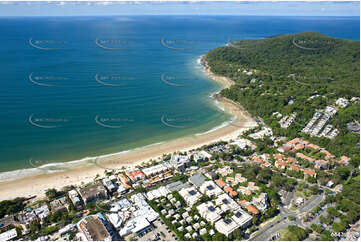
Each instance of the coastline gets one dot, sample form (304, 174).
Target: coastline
(85, 170)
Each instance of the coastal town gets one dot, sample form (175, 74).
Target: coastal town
(255, 187)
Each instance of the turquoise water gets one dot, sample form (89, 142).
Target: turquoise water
(74, 87)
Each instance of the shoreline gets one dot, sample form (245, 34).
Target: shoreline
(85, 170)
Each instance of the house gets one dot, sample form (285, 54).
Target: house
(230, 191)
(95, 228)
(251, 209)
(330, 184)
(261, 201)
(244, 190)
(60, 204)
(252, 186)
(109, 184)
(93, 193)
(309, 172)
(305, 157)
(123, 179)
(328, 155)
(291, 160)
(201, 156)
(294, 141)
(280, 164)
(312, 146)
(299, 147)
(278, 156)
(42, 212)
(136, 175)
(220, 183)
(342, 102)
(74, 197)
(321, 164)
(238, 178)
(295, 167)
(226, 226)
(344, 160)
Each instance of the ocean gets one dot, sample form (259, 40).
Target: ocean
(76, 87)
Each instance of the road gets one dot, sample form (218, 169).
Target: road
(272, 228)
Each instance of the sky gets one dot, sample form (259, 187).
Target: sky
(107, 8)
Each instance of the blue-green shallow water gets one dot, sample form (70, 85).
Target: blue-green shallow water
(136, 98)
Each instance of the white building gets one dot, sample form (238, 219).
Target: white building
(209, 212)
(8, 235)
(210, 189)
(226, 203)
(342, 102)
(261, 201)
(190, 195)
(242, 218)
(226, 226)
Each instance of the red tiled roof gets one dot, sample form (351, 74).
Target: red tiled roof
(220, 183)
(252, 209)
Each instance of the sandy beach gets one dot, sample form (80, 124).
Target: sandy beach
(38, 184)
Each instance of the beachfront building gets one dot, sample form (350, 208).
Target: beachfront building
(93, 193)
(75, 199)
(95, 228)
(179, 162)
(201, 156)
(60, 204)
(108, 183)
(136, 175)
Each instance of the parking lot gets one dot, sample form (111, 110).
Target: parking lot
(159, 232)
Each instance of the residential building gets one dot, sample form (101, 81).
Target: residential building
(210, 189)
(261, 201)
(226, 203)
(93, 193)
(197, 180)
(135, 175)
(242, 218)
(75, 199)
(220, 183)
(309, 172)
(209, 212)
(238, 178)
(60, 204)
(226, 226)
(95, 228)
(190, 195)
